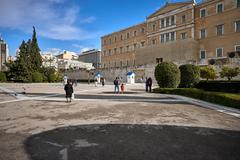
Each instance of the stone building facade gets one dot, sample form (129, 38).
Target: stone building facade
(183, 32)
(3, 54)
(91, 56)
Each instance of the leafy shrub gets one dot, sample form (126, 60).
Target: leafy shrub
(208, 73)
(167, 75)
(229, 73)
(219, 86)
(52, 77)
(227, 99)
(37, 77)
(3, 77)
(190, 75)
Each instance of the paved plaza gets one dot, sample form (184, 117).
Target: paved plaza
(37, 124)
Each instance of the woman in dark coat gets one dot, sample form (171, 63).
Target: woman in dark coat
(69, 91)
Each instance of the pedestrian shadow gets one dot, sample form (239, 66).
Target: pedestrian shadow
(134, 142)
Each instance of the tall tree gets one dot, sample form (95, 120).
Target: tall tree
(35, 55)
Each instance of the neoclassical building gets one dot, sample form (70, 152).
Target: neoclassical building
(183, 32)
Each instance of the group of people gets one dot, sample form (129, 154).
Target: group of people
(117, 85)
(148, 84)
(117, 82)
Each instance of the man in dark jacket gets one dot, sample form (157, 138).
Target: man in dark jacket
(69, 91)
(150, 84)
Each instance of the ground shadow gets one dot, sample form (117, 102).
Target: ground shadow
(134, 142)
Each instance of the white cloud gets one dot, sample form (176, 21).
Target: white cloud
(45, 15)
(88, 20)
(53, 51)
(82, 48)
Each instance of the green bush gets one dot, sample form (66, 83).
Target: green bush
(167, 75)
(208, 73)
(3, 77)
(219, 86)
(37, 77)
(190, 75)
(52, 77)
(229, 73)
(227, 99)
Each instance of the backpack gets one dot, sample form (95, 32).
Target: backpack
(115, 82)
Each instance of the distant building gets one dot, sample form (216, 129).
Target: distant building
(66, 55)
(48, 60)
(3, 54)
(11, 58)
(91, 56)
(73, 65)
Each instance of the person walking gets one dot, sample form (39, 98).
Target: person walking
(146, 84)
(122, 88)
(150, 84)
(103, 81)
(69, 91)
(116, 85)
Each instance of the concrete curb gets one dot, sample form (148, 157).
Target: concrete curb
(217, 107)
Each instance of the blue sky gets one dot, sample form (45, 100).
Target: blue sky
(72, 25)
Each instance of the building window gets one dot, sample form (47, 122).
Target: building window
(237, 48)
(143, 30)
(135, 46)
(104, 42)
(184, 35)
(128, 35)
(127, 48)
(104, 53)
(115, 50)
(115, 39)
(167, 37)
(121, 49)
(110, 41)
(127, 63)
(121, 37)
(153, 27)
(135, 33)
(167, 21)
(220, 30)
(162, 23)
(238, 3)
(184, 19)
(203, 12)
(237, 26)
(219, 8)
(203, 54)
(162, 38)
(219, 52)
(109, 52)
(203, 33)
(142, 44)
(172, 20)
(153, 41)
(172, 36)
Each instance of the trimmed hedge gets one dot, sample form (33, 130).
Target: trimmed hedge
(226, 99)
(219, 86)
(37, 77)
(3, 77)
(190, 75)
(167, 75)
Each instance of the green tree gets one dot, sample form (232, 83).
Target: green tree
(167, 75)
(190, 75)
(208, 73)
(3, 77)
(37, 77)
(229, 73)
(35, 56)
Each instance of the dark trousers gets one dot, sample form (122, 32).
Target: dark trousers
(146, 88)
(150, 88)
